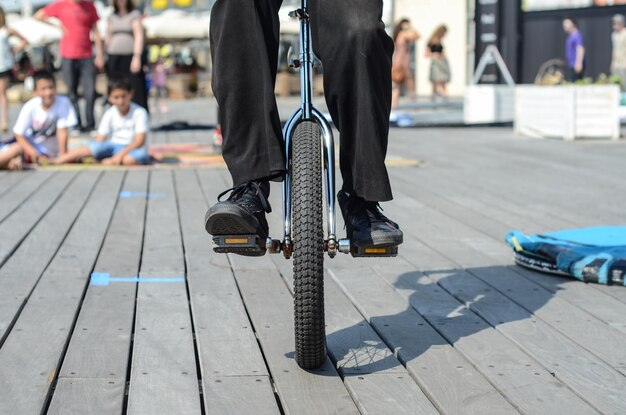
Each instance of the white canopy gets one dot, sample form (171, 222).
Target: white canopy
(37, 33)
(177, 24)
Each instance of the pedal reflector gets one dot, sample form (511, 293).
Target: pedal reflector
(237, 241)
(373, 252)
(250, 245)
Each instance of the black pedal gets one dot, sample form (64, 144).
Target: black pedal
(248, 245)
(374, 252)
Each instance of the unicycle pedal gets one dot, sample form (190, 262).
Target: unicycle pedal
(386, 251)
(374, 251)
(249, 245)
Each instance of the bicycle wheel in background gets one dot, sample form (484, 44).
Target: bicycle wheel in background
(308, 240)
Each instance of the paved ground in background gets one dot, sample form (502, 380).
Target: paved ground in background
(450, 326)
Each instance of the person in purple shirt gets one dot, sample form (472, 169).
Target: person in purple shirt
(574, 51)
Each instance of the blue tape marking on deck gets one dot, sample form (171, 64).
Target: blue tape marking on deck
(128, 194)
(104, 279)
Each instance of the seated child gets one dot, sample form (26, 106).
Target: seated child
(42, 127)
(121, 138)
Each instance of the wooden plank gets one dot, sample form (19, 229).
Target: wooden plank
(550, 305)
(467, 194)
(570, 169)
(353, 345)
(163, 373)
(451, 383)
(230, 359)
(543, 219)
(239, 395)
(99, 349)
(386, 393)
(616, 291)
(18, 225)
(572, 364)
(494, 175)
(20, 273)
(301, 392)
(31, 355)
(523, 381)
(589, 376)
(9, 180)
(77, 396)
(562, 315)
(449, 380)
(603, 307)
(14, 197)
(356, 349)
(468, 197)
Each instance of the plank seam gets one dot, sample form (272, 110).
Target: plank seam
(201, 391)
(131, 343)
(520, 273)
(54, 201)
(30, 195)
(12, 185)
(21, 308)
(522, 349)
(51, 389)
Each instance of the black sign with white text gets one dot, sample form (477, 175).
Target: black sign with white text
(487, 33)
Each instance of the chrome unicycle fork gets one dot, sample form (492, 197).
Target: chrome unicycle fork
(307, 112)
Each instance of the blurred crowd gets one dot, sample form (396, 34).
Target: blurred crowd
(40, 134)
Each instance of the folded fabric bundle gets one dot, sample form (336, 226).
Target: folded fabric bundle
(590, 254)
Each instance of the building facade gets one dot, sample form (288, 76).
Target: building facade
(529, 33)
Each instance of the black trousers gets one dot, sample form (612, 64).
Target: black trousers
(350, 40)
(84, 71)
(120, 65)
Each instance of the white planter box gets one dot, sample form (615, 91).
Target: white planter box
(489, 104)
(568, 112)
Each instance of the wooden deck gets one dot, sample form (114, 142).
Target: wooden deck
(450, 327)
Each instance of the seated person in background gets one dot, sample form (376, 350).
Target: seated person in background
(42, 127)
(122, 133)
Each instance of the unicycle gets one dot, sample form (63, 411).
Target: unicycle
(310, 175)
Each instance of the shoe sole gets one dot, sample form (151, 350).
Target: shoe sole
(230, 220)
(376, 240)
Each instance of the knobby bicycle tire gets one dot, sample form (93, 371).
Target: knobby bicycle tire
(308, 240)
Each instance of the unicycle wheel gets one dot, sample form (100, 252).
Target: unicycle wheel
(308, 240)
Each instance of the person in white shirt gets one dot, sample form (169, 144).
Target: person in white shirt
(122, 135)
(42, 127)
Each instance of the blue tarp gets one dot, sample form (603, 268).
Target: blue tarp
(590, 254)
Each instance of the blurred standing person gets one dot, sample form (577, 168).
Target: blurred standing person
(574, 51)
(404, 37)
(159, 84)
(125, 42)
(618, 38)
(439, 67)
(7, 61)
(78, 20)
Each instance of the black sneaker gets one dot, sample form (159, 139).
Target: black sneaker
(366, 225)
(243, 213)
